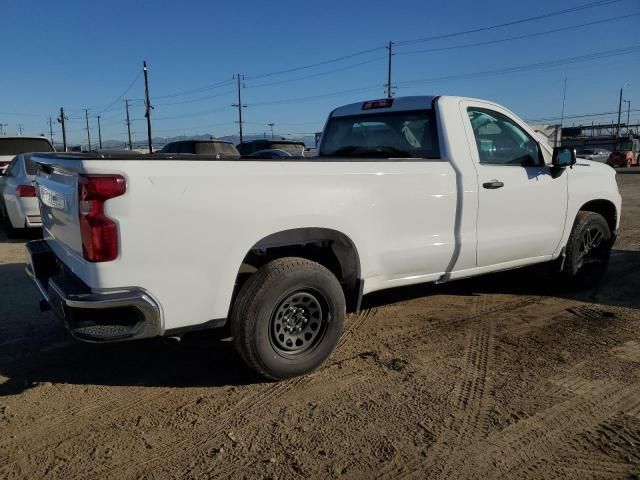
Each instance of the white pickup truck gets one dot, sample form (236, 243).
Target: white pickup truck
(404, 191)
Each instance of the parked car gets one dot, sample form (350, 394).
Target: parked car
(12, 146)
(270, 153)
(280, 254)
(216, 148)
(625, 154)
(595, 154)
(18, 203)
(295, 148)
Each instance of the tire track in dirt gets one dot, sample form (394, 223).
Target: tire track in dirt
(471, 396)
(189, 445)
(516, 447)
(356, 320)
(523, 446)
(246, 408)
(411, 335)
(52, 429)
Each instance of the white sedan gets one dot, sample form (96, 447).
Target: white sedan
(18, 202)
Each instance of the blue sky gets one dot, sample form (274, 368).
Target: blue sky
(85, 55)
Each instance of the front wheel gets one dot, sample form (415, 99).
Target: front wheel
(288, 317)
(588, 250)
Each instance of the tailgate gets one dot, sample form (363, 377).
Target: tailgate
(57, 190)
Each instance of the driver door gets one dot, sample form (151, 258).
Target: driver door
(522, 207)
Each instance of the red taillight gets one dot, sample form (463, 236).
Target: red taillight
(99, 232)
(384, 103)
(25, 191)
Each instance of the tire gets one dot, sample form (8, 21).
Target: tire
(588, 250)
(288, 317)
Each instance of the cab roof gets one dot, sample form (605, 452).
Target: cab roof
(398, 104)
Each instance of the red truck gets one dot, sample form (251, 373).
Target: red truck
(625, 154)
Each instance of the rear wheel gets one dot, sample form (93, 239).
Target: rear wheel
(588, 250)
(287, 317)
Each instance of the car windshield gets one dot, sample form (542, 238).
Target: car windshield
(14, 146)
(216, 148)
(295, 149)
(409, 134)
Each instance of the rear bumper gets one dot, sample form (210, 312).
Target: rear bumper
(125, 314)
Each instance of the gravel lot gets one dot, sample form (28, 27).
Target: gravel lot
(499, 377)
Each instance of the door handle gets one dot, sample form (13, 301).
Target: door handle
(493, 184)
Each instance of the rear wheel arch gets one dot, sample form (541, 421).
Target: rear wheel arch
(330, 248)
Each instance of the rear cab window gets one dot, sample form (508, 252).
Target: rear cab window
(402, 134)
(15, 146)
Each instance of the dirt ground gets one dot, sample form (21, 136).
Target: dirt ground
(498, 377)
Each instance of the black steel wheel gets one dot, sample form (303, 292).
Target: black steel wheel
(287, 317)
(299, 322)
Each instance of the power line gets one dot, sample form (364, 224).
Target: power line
(226, 92)
(517, 37)
(532, 66)
(119, 98)
(313, 75)
(193, 114)
(325, 62)
(511, 23)
(579, 115)
(314, 97)
(196, 90)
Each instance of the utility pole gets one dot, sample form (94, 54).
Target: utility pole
(628, 102)
(239, 105)
(271, 125)
(619, 113)
(147, 104)
(50, 131)
(86, 117)
(564, 97)
(2, 125)
(19, 129)
(61, 120)
(99, 133)
(389, 88)
(126, 107)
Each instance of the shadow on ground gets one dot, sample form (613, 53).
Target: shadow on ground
(618, 288)
(35, 348)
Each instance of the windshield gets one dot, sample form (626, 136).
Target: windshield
(216, 148)
(14, 146)
(410, 134)
(295, 149)
(623, 146)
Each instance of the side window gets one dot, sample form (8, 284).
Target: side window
(186, 147)
(501, 141)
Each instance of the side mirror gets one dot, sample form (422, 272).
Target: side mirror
(563, 157)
